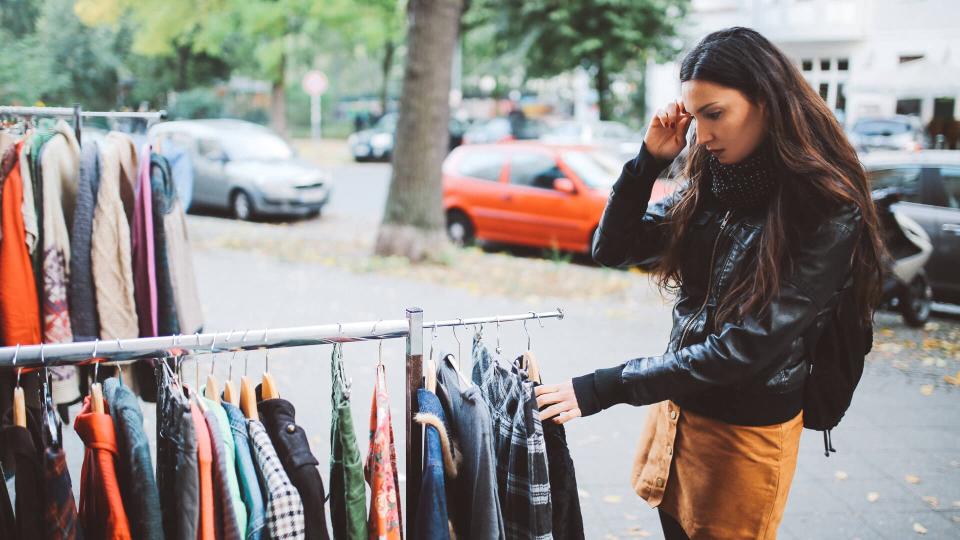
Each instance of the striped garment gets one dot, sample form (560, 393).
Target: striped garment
(284, 508)
(523, 480)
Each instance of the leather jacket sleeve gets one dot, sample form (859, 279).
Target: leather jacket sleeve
(631, 231)
(820, 266)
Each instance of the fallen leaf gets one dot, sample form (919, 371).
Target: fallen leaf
(610, 537)
(873, 496)
(919, 529)
(840, 475)
(612, 499)
(931, 500)
(638, 532)
(951, 379)
(926, 389)
(913, 479)
(886, 332)
(941, 363)
(900, 364)
(928, 361)
(931, 327)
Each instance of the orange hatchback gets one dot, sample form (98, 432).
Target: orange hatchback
(530, 194)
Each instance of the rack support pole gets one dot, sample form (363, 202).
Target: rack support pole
(414, 431)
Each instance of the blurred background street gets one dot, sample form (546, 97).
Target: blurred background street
(295, 154)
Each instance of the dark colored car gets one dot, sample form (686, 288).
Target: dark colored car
(503, 129)
(376, 143)
(900, 132)
(928, 186)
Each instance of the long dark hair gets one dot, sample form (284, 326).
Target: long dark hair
(818, 170)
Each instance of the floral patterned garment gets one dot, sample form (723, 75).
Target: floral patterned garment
(381, 469)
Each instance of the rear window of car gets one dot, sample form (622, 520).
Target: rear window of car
(482, 165)
(904, 179)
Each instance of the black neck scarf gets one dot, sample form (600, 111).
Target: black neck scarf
(746, 184)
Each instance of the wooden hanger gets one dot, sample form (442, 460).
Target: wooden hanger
(19, 405)
(532, 366)
(96, 391)
(211, 390)
(431, 383)
(228, 394)
(268, 387)
(248, 399)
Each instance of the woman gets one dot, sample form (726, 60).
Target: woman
(775, 219)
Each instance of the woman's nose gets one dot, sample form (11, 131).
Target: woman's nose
(703, 137)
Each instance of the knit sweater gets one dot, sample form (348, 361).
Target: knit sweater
(83, 300)
(111, 258)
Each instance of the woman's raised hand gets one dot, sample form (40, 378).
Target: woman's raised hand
(667, 133)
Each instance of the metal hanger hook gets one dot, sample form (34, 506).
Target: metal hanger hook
(498, 335)
(16, 353)
(456, 337)
(213, 354)
(527, 331)
(266, 351)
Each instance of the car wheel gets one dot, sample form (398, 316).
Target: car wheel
(915, 301)
(241, 205)
(460, 228)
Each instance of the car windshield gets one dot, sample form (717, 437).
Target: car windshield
(598, 170)
(256, 145)
(881, 127)
(387, 122)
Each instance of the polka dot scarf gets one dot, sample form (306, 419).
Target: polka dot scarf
(749, 183)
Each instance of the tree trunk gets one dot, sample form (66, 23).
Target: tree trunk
(278, 100)
(413, 221)
(389, 49)
(603, 91)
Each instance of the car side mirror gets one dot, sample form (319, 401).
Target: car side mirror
(565, 185)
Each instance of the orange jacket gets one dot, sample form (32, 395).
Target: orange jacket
(101, 507)
(19, 307)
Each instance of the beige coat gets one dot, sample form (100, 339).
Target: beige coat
(111, 258)
(60, 167)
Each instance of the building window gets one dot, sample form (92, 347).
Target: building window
(807, 64)
(904, 58)
(843, 64)
(824, 90)
(908, 106)
(841, 98)
(825, 64)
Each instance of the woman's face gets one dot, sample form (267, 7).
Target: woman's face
(729, 125)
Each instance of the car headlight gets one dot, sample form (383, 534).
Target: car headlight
(382, 140)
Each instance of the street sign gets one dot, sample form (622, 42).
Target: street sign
(315, 83)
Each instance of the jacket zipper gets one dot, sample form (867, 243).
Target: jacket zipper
(706, 298)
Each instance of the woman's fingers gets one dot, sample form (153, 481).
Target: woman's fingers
(567, 416)
(556, 409)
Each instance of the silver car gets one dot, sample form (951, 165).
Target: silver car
(246, 168)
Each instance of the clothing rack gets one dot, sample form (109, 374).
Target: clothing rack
(411, 328)
(76, 113)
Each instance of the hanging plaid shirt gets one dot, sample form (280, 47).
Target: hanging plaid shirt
(284, 507)
(523, 481)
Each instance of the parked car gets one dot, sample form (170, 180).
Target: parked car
(502, 129)
(927, 184)
(529, 193)
(900, 132)
(613, 136)
(246, 168)
(376, 143)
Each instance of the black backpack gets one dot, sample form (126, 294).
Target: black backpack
(840, 341)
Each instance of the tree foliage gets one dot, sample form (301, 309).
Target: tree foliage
(603, 36)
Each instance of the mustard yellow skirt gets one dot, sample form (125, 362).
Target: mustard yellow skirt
(719, 481)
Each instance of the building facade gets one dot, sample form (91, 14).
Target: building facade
(866, 58)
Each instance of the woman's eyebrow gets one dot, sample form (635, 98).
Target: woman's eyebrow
(700, 110)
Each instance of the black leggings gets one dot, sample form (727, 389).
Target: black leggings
(671, 529)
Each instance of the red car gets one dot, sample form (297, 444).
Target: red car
(529, 193)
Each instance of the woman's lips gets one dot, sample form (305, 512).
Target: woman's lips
(715, 153)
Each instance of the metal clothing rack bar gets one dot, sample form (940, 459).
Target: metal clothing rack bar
(76, 113)
(69, 112)
(411, 328)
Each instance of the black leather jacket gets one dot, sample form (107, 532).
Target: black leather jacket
(750, 372)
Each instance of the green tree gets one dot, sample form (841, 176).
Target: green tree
(603, 36)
